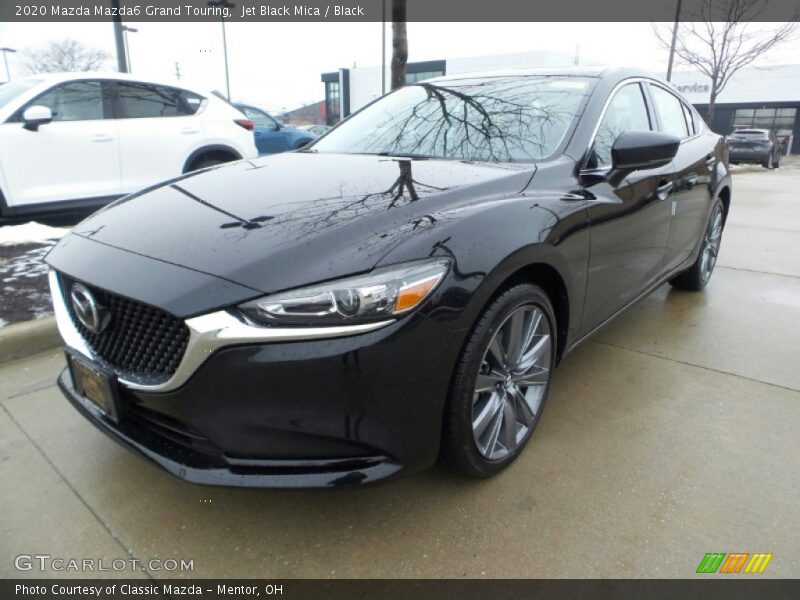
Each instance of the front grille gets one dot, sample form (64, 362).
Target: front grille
(141, 342)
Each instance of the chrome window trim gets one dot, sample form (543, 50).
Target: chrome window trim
(674, 93)
(602, 116)
(207, 334)
(654, 126)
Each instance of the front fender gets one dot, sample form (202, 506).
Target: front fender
(491, 243)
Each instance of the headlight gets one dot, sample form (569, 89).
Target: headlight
(381, 294)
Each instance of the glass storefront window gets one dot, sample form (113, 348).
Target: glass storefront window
(764, 118)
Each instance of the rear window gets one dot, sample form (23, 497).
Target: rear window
(751, 134)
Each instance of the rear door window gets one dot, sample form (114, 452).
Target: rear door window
(670, 110)
(133, 100)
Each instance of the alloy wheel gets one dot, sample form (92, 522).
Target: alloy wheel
(512, 382)
(711, 243)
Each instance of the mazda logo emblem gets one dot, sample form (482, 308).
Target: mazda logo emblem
(88, 311)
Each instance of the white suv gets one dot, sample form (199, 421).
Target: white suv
(80, 140)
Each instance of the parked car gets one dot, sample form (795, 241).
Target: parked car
(315, 130)
(270, 135)
(78, 141)
(758, 146)
(400, 290)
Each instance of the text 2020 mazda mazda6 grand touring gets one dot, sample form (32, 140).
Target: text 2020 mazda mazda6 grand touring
(397, 291)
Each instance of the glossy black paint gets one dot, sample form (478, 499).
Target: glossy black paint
(596, 241)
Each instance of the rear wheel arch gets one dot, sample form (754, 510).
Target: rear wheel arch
(217, 152)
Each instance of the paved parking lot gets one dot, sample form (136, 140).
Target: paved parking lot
(673, 433)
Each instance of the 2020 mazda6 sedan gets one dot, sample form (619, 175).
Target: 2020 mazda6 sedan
(398, 291)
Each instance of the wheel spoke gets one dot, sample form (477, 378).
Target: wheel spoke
(533, 355)
(515, 336)
(530, 333)
(486, 415)
(509, 428)
(486, 382)
(494, 433)
(524, 412)
(536, 376)
(497, 351)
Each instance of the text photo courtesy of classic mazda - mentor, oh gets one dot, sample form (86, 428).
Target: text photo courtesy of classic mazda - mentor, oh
(405, 289)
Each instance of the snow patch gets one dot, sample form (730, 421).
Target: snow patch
(30, 233)
(3, 323)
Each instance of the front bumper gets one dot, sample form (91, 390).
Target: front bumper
(317, 413)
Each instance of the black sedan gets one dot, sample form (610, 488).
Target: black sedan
(398, 291)
(759, 146)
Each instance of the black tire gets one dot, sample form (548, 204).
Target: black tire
(459, 451)
(696, 277)
(767, 164)
(206, 163)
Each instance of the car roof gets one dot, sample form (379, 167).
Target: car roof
(594, 72)
(52, 78)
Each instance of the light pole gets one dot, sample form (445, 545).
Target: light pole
(229, 5)
(674, 37)
(5, 52)
(125, 30)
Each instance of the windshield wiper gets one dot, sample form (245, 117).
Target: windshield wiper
(405, 155)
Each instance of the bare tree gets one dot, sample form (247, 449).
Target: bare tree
(717, 38)
(62, 56)
(399, 44)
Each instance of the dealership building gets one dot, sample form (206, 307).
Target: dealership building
(765, 97)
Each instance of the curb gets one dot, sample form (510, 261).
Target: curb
(30, 337)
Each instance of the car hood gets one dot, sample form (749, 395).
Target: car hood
(291, 219)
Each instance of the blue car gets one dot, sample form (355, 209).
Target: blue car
(270, 136)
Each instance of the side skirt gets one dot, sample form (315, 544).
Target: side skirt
(57, 207)
(647, 291)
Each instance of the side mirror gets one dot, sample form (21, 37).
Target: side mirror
(635, 150)
(35, 116)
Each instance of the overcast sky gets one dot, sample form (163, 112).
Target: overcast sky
(278, 65)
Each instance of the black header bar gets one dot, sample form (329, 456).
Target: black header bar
(371, 10)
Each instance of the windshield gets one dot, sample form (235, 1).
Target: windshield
(11, 90)
(498, 119)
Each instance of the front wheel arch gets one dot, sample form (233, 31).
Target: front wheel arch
(549, 279)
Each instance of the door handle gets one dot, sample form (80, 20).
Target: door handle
(190, 130)
(663, 189)
(102, 137)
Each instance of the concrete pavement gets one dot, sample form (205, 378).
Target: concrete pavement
(672, 433)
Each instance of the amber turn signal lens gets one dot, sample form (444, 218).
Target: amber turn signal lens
(411, 295)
